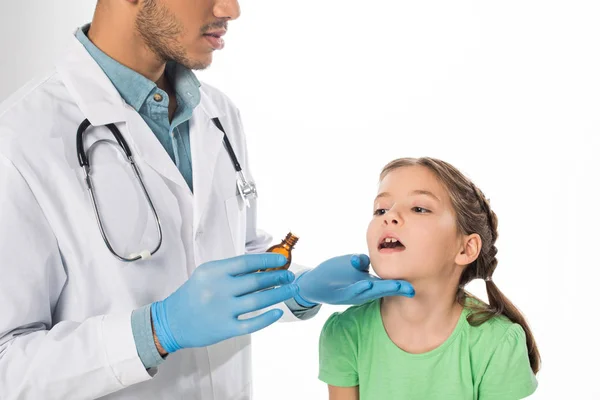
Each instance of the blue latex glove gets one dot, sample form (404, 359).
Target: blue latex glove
(205, 309)
(346, 280)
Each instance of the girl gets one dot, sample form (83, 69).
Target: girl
(432, 227)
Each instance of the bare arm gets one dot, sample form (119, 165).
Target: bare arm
(343, 393)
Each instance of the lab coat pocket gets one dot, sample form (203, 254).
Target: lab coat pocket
(236, 216)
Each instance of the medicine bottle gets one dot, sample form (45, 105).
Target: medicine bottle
(285, 248)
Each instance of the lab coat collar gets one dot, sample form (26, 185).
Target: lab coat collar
(93, 92)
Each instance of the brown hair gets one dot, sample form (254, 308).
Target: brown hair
(474, 215)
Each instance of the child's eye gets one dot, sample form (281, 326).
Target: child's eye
(379, 211)
(421, 210)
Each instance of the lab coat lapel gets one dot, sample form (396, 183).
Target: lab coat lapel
(206, 143)
(101, 103)
(151, 150)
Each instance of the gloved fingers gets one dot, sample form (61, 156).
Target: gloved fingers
(259, 300)
(257, 323)
(354, 290)
(261, 280)
(361, 262)
(385, 288)
(252, 262)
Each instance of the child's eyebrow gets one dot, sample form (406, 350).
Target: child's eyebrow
(426, 193)
(414, 192)
(382, 194)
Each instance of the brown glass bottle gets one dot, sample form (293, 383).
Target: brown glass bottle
(285, 248)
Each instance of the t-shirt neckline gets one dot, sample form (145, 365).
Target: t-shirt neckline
(380, 330)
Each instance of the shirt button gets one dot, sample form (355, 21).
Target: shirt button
(158, 97)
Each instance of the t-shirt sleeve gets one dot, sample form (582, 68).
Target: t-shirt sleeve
(338, 353)
(508, 375)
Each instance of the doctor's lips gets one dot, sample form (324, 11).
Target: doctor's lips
(215, 38)
(390, 243)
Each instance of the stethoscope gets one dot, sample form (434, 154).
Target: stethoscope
(246, 189)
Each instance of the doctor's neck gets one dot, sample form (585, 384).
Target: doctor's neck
(114, 32)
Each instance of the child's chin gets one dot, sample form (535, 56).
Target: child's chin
(390, 273)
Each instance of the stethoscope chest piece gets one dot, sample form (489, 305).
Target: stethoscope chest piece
(246, 189)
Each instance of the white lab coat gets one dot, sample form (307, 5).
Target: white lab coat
(66, 302)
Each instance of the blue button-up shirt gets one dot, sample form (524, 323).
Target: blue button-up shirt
(152, 103)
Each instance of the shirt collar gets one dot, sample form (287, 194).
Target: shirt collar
(135, 88)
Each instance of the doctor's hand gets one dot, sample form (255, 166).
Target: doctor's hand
(346, 280)
(205, 309)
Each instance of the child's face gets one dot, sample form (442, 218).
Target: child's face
(425, 224)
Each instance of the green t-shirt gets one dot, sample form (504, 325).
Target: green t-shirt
(485, 362)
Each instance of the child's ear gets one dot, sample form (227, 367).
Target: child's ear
(469, 251)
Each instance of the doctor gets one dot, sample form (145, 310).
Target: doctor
(128, 296)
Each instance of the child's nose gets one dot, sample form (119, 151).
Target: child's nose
(392, 218)
(391, 221)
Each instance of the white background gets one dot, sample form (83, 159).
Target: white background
(330, 91)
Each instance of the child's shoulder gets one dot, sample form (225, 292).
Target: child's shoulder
(494, 331)
(495, 344)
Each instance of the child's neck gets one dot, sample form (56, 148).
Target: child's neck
(424, 322)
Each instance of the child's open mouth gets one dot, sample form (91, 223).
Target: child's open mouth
(390, 244)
